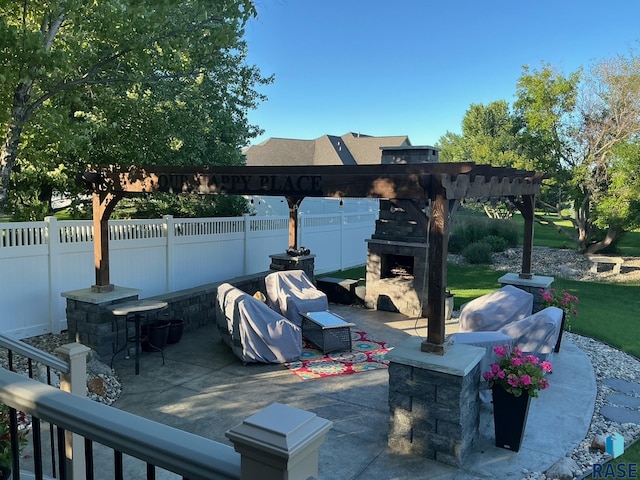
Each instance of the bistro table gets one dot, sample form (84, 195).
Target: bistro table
(327, 331)
(135, 312)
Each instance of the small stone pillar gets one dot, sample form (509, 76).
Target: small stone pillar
(531, 285)
(282, 261)
(434, 401)
(90, 323)
(279, 443)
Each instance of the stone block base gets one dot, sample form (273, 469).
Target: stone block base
(434, 401)
(282, 261)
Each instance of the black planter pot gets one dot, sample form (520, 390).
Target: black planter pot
(176, 327)
(154, 336)
(510, 417)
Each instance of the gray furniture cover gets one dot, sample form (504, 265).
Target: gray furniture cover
(538, 333)
(255, 332)
(494, 310)
(290, 292)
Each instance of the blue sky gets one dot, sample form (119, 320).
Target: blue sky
(413, 67)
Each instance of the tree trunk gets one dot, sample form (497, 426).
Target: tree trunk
(612, 234)
(9, 152)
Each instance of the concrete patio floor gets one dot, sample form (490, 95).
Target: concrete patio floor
(204, 389)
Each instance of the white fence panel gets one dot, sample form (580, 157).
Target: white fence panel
(41, 260)
(322, 234)
(356, 229)
(24, 282)
(204, 251)
(265, 236)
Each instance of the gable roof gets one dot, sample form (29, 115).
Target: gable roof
(349, 149)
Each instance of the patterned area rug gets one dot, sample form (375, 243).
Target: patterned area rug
(366, 354)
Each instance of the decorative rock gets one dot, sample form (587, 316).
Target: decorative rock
(97, 387)
(599, 443)
(564, 469)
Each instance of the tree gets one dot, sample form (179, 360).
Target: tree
(156, 82)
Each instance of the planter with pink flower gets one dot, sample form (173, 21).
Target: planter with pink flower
(514, 379)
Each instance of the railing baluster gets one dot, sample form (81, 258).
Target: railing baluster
(88, 458)
(117, 465)
(151, 472)
(36, 438)
(62, 461)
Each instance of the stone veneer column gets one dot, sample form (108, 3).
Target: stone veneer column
(89, 323)
(434, 401)
(531, 285)
(282, 261)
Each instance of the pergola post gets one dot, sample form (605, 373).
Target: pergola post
(294, 203)
(527, 209)
(103, 205)
(437, 269)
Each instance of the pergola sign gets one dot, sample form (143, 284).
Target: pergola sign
(442, 184)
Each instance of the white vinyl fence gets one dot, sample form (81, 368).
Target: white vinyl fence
(40, 260)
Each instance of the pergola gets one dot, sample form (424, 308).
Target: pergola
(443, 185)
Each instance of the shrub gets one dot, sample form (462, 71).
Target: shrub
(498, 244)
(477, 253)
(470, 230)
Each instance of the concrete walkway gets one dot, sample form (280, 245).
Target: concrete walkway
(204, 389)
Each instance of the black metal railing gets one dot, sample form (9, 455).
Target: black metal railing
(127, 436)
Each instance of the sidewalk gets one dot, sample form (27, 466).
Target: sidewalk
(204, 389)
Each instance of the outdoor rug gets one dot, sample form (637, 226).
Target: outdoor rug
(366, 355)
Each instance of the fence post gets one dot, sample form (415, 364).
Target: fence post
(53, 245)
(245, 257)
(171, 245)
(75, 354)
(279, 443)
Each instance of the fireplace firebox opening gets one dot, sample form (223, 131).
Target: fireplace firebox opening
(393, 266)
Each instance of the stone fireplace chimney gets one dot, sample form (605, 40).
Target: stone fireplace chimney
(397, 251)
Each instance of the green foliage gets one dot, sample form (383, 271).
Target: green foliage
(470, 229)
(497, 244)
(125, 83)
(477, 253)
(181, 206)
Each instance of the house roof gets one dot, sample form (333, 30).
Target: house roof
(348, 149)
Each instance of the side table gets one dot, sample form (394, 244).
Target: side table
(135, 311)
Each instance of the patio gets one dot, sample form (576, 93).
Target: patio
(204, 389)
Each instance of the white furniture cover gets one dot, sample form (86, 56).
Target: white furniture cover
(255, 332)
(290, 292)
(538, 333)
(494, 310)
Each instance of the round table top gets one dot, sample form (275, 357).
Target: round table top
(134, 306)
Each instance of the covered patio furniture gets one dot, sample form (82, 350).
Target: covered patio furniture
(537, 334)
(291, 293)
(255, 332)
(494, 310)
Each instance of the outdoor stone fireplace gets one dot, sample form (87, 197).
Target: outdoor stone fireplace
(397, 251)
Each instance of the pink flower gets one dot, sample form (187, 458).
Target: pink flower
(513, 380)
(532, 359)
(495, 368)
(544, 384)
(516, 362)
(500, 351)
(546, 366)
(487, 376)
(526, 380)
(501, 374)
